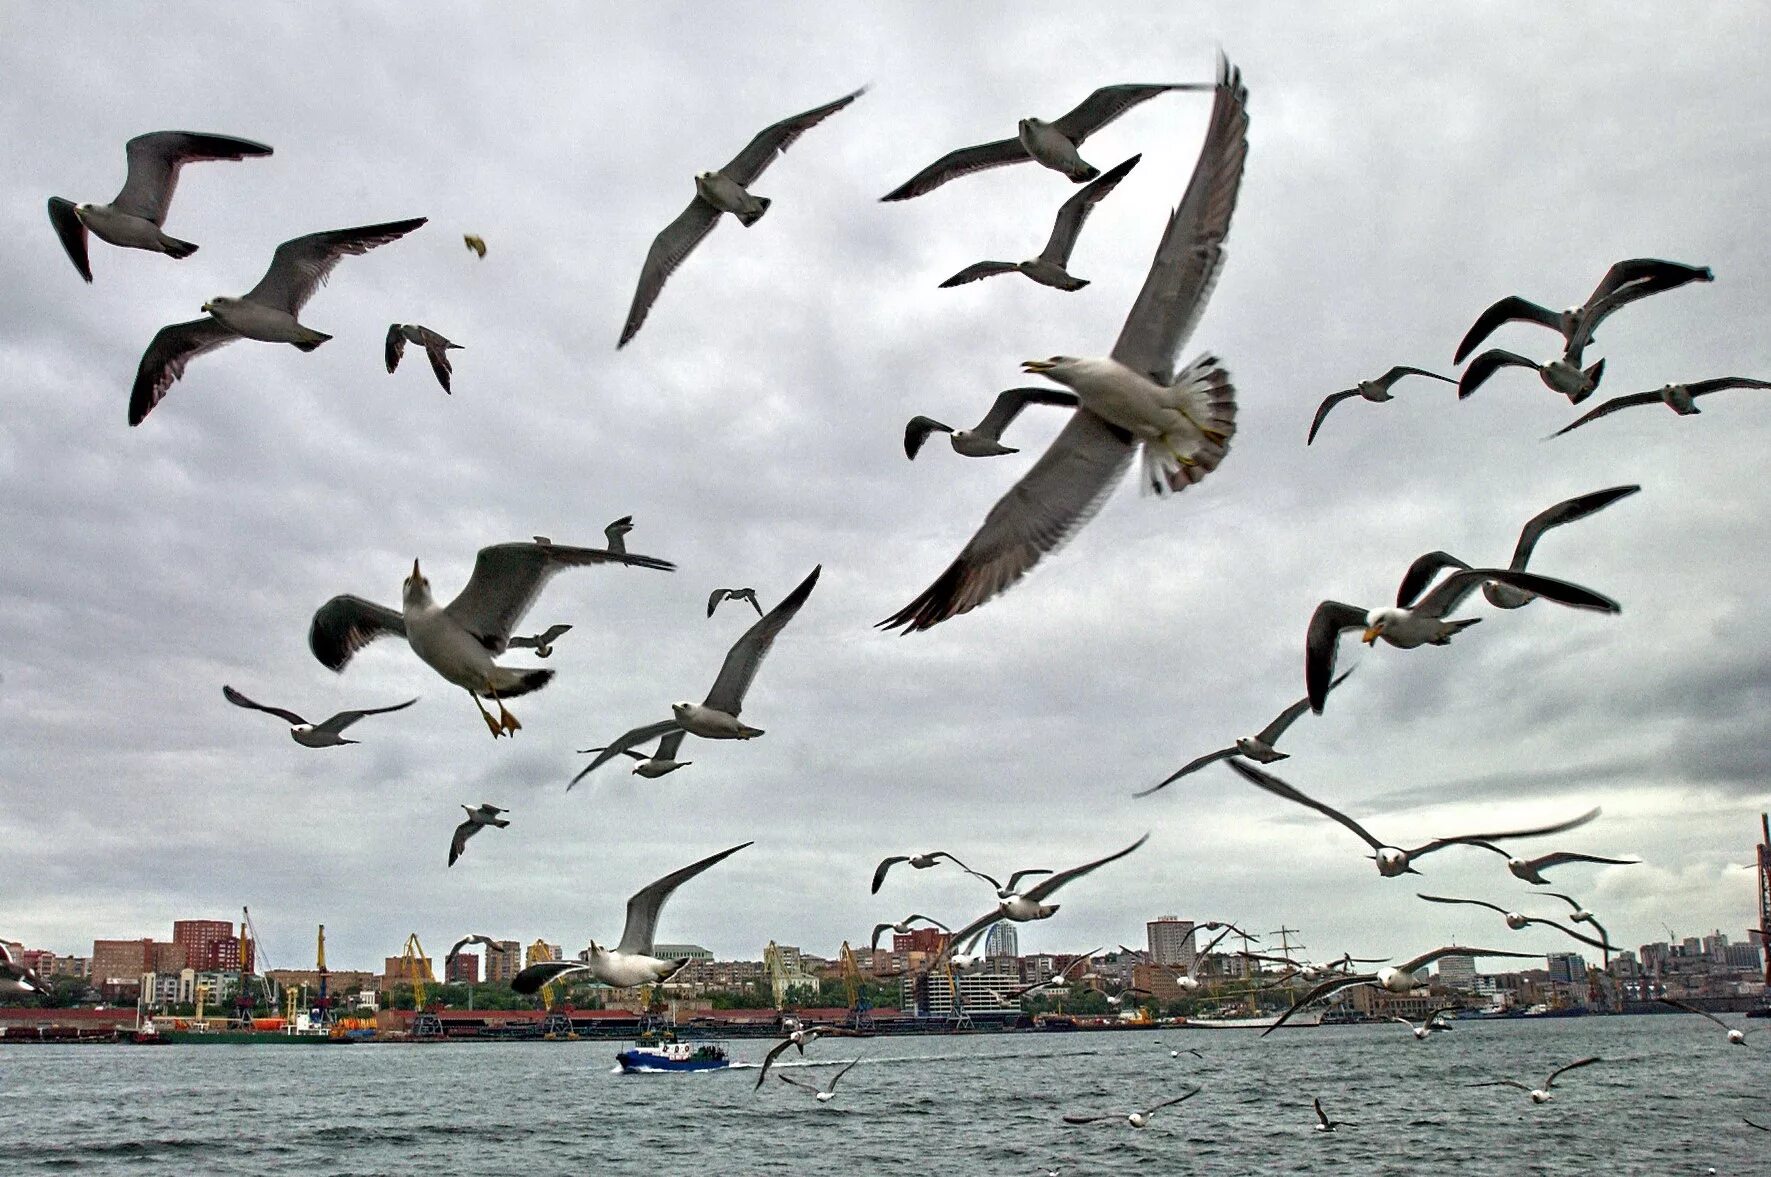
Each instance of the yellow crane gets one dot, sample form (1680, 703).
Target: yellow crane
(414, 963)
(860, 1008)
(202, 999)
(542, 950)
(777, 974)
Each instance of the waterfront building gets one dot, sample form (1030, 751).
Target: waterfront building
(928, 940)
(395, 970)
(1457, 973)
(118, 965)
(1002, 940)
(202, 940)
(1567, 968)
(692, 951)
(463, 969)
(504, 960)
(1170, 941)
(978, 991)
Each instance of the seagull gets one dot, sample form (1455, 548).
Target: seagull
(1376, 391)
(1392, 860)
(1048, 269)
(133, 218)
(1735, 1037)
(1565, 375)
(1052, 144)
(984, 440)
(476, 938)
(904, 927)
(1323, 1123)
(1519, 922)
(1539, 1094)
(1679, 398)
(1530, 870)
(15, 979)
(1013, 886)
(477, 244)
(1312, 972)
(313, 735)
(1423, 623)
(1503, 596)
(733, 594)
(1257, 747)
(1135, 1119)
(727, 190)
(1581, 915)
(1622, 284)
(661, 762)
(1189, 1050)
(797, 1038)
(1184, 422)
(460, 639)
(716, 717)
(1030, 904)
(1188, 979)
(1061, 977)
(630, 962)
(1750, 1124)
(1393, 978)
(541, 643)
(822, 1094)
(477, 820)
(917, 862)
(1429, 1026)
(434, 345)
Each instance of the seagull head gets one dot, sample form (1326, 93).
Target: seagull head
(1394, 979)
(1516, 921)
(416, 588)
(1377, 621)
(1059, 368)
(1392, 862)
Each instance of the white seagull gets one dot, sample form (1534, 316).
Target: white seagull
(1393, 978)
(455, 949)
(1135, 1119)
(1061, 977)
(1580, 915)
(1736, 1037)
(1048, 269)
(917, 862)
(1519, 922)
(1393, 860)
(1504, 596)
(716, 717)
(984, 440)
(661, 762)
(327, 734)
(268, 312)
(1131, 398)
(798, 1038)
(134, 216)
(1030, 904)
(1424, 623)
(904, 927)
(1530, 870)
(460, 639)
(1623, 283)
(1188, 978)
(1564, 375)
(15, 979)
(434, 345)
(724, 191)
(1680, 398)
(1256, 747)
(1376, 391)
(541, 643)
(732, 594)
(477, 820)
(1323, 1123)
(630, 962)
(1539, 1094)
(822, 1094)
(1428, 1027)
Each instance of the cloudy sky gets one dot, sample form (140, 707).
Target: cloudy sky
(1405, 169)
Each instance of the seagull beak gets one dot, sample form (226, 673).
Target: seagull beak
(415, 574)
(1372, 633)
(1036, 366)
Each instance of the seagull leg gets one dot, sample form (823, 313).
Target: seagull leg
(507, 723)
(490, 722)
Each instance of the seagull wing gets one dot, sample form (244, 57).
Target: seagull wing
(879, 872)
(1010, 401)
(164, 361)
(1191, 766)
(977, 270)
(508, 577)
(834, 1079)
(302, 264)
(1470, 902)
(1321, 1115)
(962, 162)
(1421, 573)
(345, 718)
(1566, 511)
(1324, 989)
(800, 1083)
(1322, 643)
(1566, 856)
(1692, 1009)
(1400, 370)
(1508, 310)
(1074, 1118)
(769, 1061)
(1270, 734)
(1051, 885)
(673, 243)
(1568, 931)
(1585, 1062)
(1015, 879)
(1427, 958)
(458, 843)
(1328, 402)
(437, 348)
(346, 624)
(747, 654)
(1486, 365)
(1504, 1083)
(1704, 387)
(1568, 899)
(239, 700)
(1263, 779)
(1191, 251)
(1068, 225)
(154, 162)
(648, 901)
(1454, 588)
(72, 233)
(1109, 102)
(1064, 489)
(971, 931)
(638, 735)
(531, 979)
(1611, 406)
(668, 746)
(1168, 1103)
(761, 151)
(916, 431)
(396, 345)
(1484, 839)
(1649, 275)
(553, 633)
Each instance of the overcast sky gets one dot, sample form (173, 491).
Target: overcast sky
(1406, 167)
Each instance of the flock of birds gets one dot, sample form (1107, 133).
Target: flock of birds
(1130, 404)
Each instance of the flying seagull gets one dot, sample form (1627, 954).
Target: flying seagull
(1391, 860)
(1424, 623)
(460, 639)
(1135, 1119)
(477, 820)
(1519, 922)
(1323, 1123)
(1029, 904)
(267, 312)
(15, 979)
(661, 762)
(1339, 967)
(1257, 747)
(1188, 978)
(133, 218)
(1503, 596)
(1429, 1026)
(313, 735)
(1539, 1094)
(1048, 269)
(1061, 977)
(1052, 144)
(727, 190)
(630, 962)
(1736, 1037)
(1581, 915)
(541, 643)
(798, 1038)
(1680, 398)
(1564, 375)
(917, 862)
(1623, 283)
(1530, 870)
(1013, 886)
(732, 594)
(434, 345)
(822, 1094)
(1393, 978)
(476, 938)
(1184, 423)
(716, 717)
(903, 927)
(984, 440)
(1376, 391)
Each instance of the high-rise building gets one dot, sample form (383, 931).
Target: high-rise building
(119, 964)
(463, 969)
(1170, 941)
(929, 940)
(504, 960)
(1002, 940)
(1457, 972)
(202, 940)
(1567, 967)
(166, 959)
(394, 968)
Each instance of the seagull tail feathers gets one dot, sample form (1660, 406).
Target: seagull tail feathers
(750, 218)
(176, 248)
(315, 339)
(1204, 395)
(513, 684)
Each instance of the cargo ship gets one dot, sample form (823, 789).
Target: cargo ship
(663, 1051)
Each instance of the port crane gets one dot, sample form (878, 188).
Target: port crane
(860, 1008)
(777, 974)
(243, 995)
(416, 965)
(323, 1002)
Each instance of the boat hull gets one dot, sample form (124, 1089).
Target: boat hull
(643, 1062)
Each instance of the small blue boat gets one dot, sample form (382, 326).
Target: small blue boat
(659, 1052)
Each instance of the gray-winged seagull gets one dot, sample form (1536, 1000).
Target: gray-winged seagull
(541, 643)
(732, 594)
(1519, 922)
(1256, 747)
(1377, 391)
(916, 861)
(1139, 1119)
(1539, 1094)
(1736, 1036)
(477, 820)
(326, 734)
(1680, 398)
(661, 762)
(984, 440)
(1623, 283)
(1048, 269)
(822, 1094)
(1393, 978)
(1029, 904)
(434, 345)
(1530, 870)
